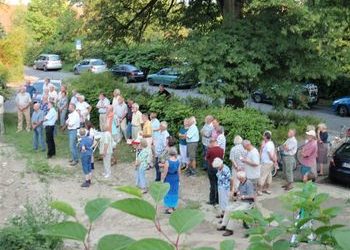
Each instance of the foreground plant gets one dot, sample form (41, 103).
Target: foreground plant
(306, 205)
(182, 221)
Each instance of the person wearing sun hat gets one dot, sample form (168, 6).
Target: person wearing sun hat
(308, 155)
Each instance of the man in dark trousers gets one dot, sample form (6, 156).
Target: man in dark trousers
(163, 92)
(214, 151)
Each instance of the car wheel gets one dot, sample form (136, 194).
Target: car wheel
(150, 82)
(34, 67)
(76, 72)
(343, 110)
(45, 69)
(257, 98)
(290, 104)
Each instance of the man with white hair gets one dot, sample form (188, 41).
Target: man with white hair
(236, 154)
(73, 124)
(192, 139)
(289, 150)
(38, 129)
(268, 162)
(53, 96)
(160, 144)
(23, 102)
(102, 105)
(246, 199)
(206, 135)
(83, 109)
(221, 137)
(136, 121)
(120, 110)
(251, 163)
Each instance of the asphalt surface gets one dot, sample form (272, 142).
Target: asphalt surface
(333, 121)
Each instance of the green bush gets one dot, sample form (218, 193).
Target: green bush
(285, 120)
(22, 230)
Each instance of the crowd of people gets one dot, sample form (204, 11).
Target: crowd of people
(233, 186)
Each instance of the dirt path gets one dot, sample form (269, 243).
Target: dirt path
(17, 186)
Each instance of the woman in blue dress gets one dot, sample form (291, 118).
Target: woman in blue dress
(171, 175)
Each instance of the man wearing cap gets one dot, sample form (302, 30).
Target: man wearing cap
(289, 149)
(308, 155)
(268, 160)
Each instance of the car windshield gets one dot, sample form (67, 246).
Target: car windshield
(97, 62)
(54, 58)
(131, 68)
(344, 151)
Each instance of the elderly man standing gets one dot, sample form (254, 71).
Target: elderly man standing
(49, 124)
(73, 124)
(102, 109)
(192, 139)
(251, 163)
(268, 161)
(23, 102)
(38, 129)
(289, 150)
(136, 121)
(206, 135)
(120, 110)
(160, 143)
(246, 199)
(2, 127)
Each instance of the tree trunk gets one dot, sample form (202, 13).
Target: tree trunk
(231, 9)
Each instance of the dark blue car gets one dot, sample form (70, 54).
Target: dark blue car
(342, 106)
(339, 169)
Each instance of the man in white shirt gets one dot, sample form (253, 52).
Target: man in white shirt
(289, 150)
(23, 102)
(73, 124)
(83, 109)
(2, 127)
(120, 110)
(49, 124)
(268, 161)
(102, 105)
(192, 139)
(53, 96)
(251, 163)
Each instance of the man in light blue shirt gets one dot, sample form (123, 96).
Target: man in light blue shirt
(49, 124)
(192, 139)
(155, 125)
(38, 129)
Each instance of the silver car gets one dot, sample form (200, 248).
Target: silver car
(47, 62)
(91, 65)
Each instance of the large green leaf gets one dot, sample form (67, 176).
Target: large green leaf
(96, 207)
(332, 211)
(259, 246)
(281, 245)
(66, 230)
(63, 207)
(227, 245)
(183, 220)
(130, 190)
(136, 207)
(158, 190)
(150, 244)
(114, 242)
(342, 238)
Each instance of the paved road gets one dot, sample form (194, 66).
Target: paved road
(333, 121)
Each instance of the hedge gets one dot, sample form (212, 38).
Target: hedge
(249, 123)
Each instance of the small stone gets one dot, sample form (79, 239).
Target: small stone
(9, 182)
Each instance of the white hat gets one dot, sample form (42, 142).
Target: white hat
(217, 162)
(311, 133)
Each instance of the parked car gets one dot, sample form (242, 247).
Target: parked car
(339, 168)
(308, 91)
(38, 86)
(47, 62)
(91, 65)
(131, 72)
(342, 106)
(170, 77)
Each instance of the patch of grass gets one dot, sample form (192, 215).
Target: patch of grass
(193, 204)
(42, 167)
(124, 153)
